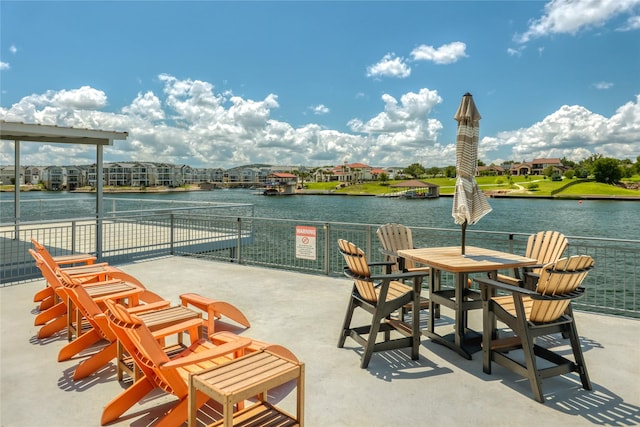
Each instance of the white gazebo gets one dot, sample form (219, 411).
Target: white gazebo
(19, 132)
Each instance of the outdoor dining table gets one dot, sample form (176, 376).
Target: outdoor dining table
(460, 298)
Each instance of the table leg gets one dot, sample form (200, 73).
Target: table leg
(460, 314)
(415, 319)
(434, 286)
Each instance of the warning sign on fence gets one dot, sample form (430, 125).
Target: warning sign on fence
(305, 242)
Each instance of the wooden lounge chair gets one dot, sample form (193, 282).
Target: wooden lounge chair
(394, 237)
(380, 300)
(160, 371)
(63, 314)
(51, 306)
(530, 314)
(58, 317)
(546, 247)
(46, 296)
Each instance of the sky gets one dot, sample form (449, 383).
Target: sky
(316, 83)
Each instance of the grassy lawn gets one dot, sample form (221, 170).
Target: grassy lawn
(520, 184)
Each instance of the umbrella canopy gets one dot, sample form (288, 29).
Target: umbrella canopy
(469, 203)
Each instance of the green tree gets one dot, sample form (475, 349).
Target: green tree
(415, 170)
(548, 171)
(568, 163)
(569, 174)
(383, 178)
(607, 170)
(450, 171)
(434, 171)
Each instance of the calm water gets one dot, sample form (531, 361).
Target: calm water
(609, 219)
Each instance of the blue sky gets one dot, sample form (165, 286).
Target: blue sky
(223, 84)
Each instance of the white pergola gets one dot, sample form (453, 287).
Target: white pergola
(19, 132)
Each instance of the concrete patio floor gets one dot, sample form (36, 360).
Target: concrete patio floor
(304, 313)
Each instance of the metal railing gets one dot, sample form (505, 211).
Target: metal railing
(612, 287)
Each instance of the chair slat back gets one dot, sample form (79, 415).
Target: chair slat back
(44, 253)
(357, 263)
(46, 270)
(139, 342)
(394, 237)
(546, 246)
(559, 278)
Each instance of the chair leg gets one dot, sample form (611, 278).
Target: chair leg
(47, 303)
(125, 400)
(530, 361)
(85, 340)
(487, 316)
(57, 310)
(371, 343)
(180, 412)
(52, 327)
(344, 332)
(95, 362)
(43, 294)
(581, 366)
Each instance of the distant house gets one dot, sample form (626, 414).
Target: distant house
(537, 167)
(522, 169)
(33, 174)
(8, 175)
(491, 170)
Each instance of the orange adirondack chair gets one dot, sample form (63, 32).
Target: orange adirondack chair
(51, 307)
(47, 294)
(170, 374)
(62, 315)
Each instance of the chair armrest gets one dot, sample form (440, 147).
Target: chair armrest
(485, 281)
(577, 293)
(149, 307)
(196, 300)
(529, 268)
(212, 353)
(73, 259)
(400, 275)
(380, 263)
(393, 276)
(177, 328)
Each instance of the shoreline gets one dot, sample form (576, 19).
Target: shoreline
(333, 193)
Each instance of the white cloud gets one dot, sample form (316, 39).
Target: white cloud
(571, 16)
(320, 109)
(85, 98)
(4, 65)
(514, 52)
(13, 49)
(190, 123)
(445, 54)
(572, 131)
(147, 106)
(389, 66)
(603, 85)
(633, 23)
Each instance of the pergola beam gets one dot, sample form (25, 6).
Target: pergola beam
(18, 132)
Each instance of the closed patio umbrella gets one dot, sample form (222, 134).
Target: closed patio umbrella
(469, 203)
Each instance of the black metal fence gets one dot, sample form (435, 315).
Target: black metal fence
(612, 287)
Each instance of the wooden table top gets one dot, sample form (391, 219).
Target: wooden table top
(450, 258)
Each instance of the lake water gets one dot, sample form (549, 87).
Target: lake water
(590, 218)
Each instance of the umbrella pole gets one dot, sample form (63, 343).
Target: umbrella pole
(464, 230)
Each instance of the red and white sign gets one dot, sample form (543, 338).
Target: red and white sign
(305, 242)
